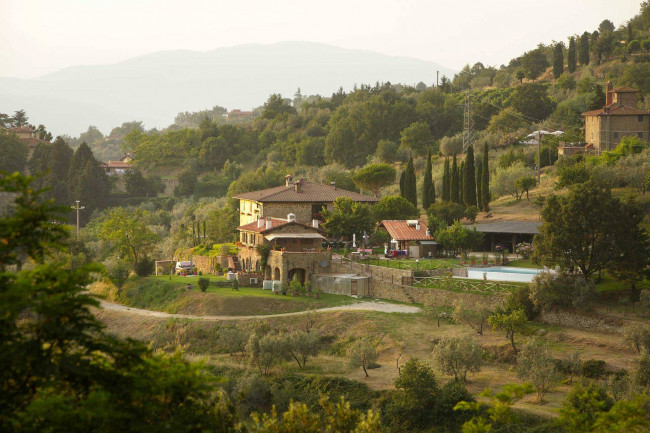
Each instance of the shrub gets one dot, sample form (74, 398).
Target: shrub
(144, 267)
(118, 272)
(550, 291)
(458, 356)
(520, 300)
(582, 406)
(253, 394)
(525, 250)
(471, 212)
(203, 283)
(638, 336)
(593, 368)
(535, 364)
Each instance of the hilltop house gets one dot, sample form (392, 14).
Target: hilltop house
(605, 127)
(118, 167)
(26, 134)
(295, 248)
(304, 199)
(411, 237)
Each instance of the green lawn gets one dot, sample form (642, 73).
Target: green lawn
(523, 264)
(421, 264)
(186, 280)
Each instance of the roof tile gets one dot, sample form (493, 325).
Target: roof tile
(400, 230)
(309, 192)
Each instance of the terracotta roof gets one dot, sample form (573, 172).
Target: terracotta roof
(31, 141)
(406, 230)
(21, 129)
(309, 192)
(616, 109)
(625, 89)
(276, 222)
(116, 164)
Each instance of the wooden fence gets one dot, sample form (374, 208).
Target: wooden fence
(462, 285)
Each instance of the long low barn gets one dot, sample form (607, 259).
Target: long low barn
(508, 233)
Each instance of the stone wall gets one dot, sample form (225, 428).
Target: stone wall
(208, 265)
(286, 261)
(244, 279)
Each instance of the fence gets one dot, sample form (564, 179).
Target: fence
(461, 285)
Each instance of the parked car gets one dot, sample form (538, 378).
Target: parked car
(185, 268)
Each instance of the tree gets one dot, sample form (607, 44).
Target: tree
(469, 179)
(428, 187)
(118, 272)
(638, 336)
(87, 180)
(461, 181)
(455, 182)
(585, 229)
(375, 177)
(58, 165)
(479, 185)
(535, 364)
(386, 151)
(348, 218)
(302, 345)
(582, 407)
(408, 188)
(416, 137)
(520, 75)
(533, 63)
(583, 53)
(571, 55)
(458, 356)
(525, 184)
(363, 353)
(451, 145)
(127, 232)
(276, 106)
(14, 153)
(19, 118)
(633, 46)
(474, 318)
(67, 373)
(458, 237)
(558, 60)
(485, 182)
(532, 101)
(446, 182)
(507, 121)
(448, 212)
(394, 207)
(505, 180)
(553, 291)
(606, 26)
(510, 322)
(186, 183)
(91, 135)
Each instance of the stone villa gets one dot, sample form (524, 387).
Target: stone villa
(605, 127)
(304, 199)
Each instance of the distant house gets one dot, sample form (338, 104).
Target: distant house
(411, 237)
(238, 115)
(605, 127)
(26, 134)
(118, 167)
(304, 199)
(296, 248)
(507, 233)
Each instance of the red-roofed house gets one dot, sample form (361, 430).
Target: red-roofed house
(304, 199)
(411, 236)
(296, 248)
(605, 127)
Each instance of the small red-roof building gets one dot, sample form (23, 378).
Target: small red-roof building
(620, 117)
(115, 167)
(411, 237)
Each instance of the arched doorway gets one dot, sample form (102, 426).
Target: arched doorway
(298, 273)
(267, 273)
(276, 274)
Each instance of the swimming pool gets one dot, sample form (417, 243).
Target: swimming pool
(504, 273)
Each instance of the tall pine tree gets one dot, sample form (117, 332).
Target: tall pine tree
(461, 181)
(428, 192)
(583, 51)
(469, 179)
(446, 182)
(479, 180)
(408, 188)
(87, 181)
(58, 170)
(571, 55)
(485, 182)
(558, 60)
(454, 189)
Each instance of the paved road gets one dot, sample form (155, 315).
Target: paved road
(383, 307)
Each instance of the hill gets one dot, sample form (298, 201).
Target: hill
(155, 87)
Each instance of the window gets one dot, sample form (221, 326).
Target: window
(305, 241)
(640, 118)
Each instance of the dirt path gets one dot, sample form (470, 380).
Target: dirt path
(382, 307)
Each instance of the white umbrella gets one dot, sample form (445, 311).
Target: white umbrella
(354, 240)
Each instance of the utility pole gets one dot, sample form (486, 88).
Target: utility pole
(437, 73)
(78, 208)
(468, 122)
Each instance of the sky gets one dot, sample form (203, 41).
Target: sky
(42, 36)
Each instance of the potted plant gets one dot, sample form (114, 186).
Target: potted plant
(484, 259)
(316, 293)
(472, 260)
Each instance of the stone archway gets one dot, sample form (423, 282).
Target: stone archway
(267, 273)
(276, 274)
(300, 273)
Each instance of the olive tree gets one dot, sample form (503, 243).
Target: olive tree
(362, 354)
(536, 365)
(458, 356)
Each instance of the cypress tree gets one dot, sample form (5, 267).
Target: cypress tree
(571, 55)
(461, 179)
(87, 181)
(58, 165)
(454, 190)
(485, 182)
(479, 183)
(558, 60)
(446, 181)
(408, 185)
(428, 184)
(583, 53)
(469, 180)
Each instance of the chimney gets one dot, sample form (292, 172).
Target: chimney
(428, 232)
(260, 223)
(298, 186)
(288, 180)
(608, 94)
(417, 226)
(333, 184)
(269, 223)
(291, 217)
(314, 223)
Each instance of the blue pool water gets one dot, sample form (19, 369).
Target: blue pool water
(504, 273)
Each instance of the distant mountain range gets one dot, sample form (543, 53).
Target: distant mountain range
(153, 88)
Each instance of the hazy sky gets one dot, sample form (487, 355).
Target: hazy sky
(41, 36)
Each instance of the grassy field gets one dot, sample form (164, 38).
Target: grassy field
(421, 264)
(171, 295)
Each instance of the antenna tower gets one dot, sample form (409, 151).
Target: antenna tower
(468, 122)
